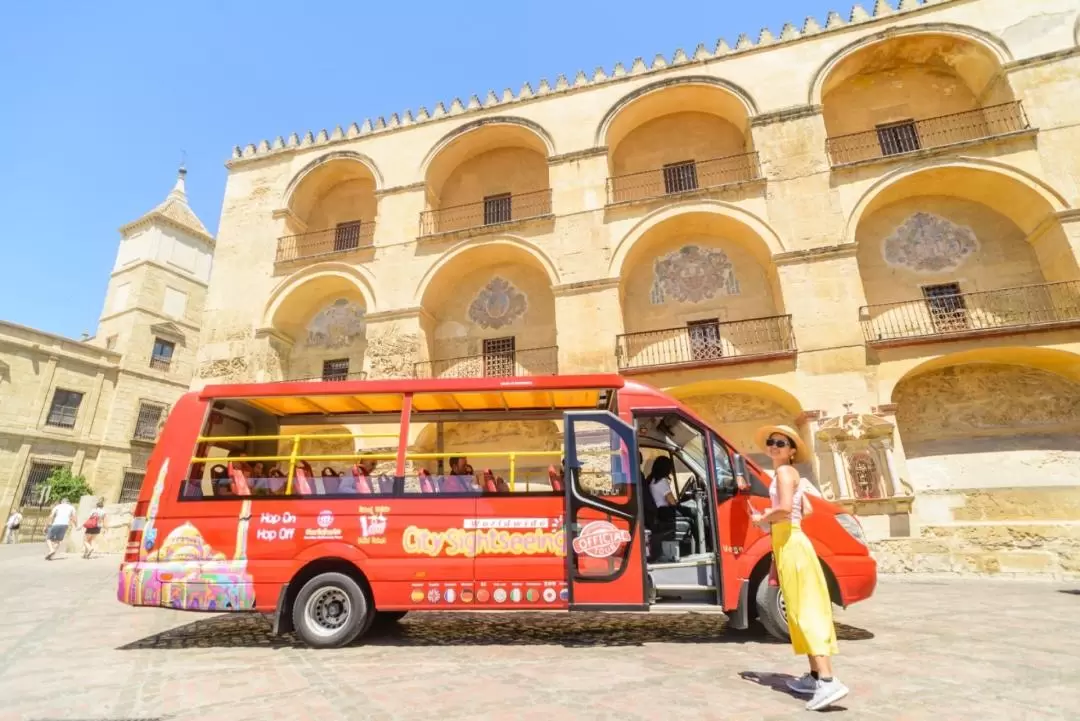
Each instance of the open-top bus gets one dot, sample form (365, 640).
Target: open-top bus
(336, 505)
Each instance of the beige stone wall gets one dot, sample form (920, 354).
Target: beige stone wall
(807, 239)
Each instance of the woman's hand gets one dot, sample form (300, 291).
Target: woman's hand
(758, 519)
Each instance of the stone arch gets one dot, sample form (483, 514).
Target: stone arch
(459, 132)
(737, 408)
(542, 259)
(358, 276)
(344, 156)
(993, 418)
(739, 94)
(987, 42)
(770, 244)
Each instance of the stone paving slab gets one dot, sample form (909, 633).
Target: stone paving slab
(921, 649)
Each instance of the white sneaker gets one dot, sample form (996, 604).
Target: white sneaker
(805, 685)
(827, 693)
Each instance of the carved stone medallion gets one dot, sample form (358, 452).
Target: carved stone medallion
(337, 325)
(693, 274)
(499, 304)
(928, 243)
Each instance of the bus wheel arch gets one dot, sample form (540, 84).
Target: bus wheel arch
(328, 568)
(767, 603)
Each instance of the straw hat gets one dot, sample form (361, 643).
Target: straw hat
(802, 453)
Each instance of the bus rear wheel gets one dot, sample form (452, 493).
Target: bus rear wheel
(771, 611)
(331, 610)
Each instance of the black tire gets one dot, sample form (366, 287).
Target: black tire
(331, 610)
(770, 610)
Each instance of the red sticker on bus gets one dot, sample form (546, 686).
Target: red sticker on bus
(600, 539)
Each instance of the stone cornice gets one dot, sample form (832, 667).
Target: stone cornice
(795, 112)
(792, 257)
(1044, 59)
(600, 150)
(881, 12)
(1070, 215)
(274, 334)
(156, 314)
(397, 314)
(35, 434)
(175, 270)
(410, 188)
(585, 286)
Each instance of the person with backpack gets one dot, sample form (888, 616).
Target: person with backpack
(14, 522)
(92, 527)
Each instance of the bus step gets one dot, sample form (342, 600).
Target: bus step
(701, 608)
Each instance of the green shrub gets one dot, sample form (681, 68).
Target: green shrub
(62, 483)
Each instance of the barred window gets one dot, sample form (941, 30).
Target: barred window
(64, 408)
(498, 209)
(148, 421)
(129, 492)
(335, 370)
(161, 358)
(499, 357)
(680, 177)
(35, 492)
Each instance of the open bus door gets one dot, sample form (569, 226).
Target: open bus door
(605, 553)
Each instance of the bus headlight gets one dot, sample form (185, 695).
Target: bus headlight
(853, 527)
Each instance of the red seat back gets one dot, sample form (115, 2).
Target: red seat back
(427, 485)
(331, 482)
(238, 480)
(501, 486)
(487, 482)
(556, 478)
(302, 479)
(363, 483)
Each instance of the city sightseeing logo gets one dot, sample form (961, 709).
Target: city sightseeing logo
(325, 530)
(600, 539)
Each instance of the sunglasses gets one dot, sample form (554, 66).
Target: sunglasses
(779, 443)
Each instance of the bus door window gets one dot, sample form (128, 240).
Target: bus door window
(725, 476)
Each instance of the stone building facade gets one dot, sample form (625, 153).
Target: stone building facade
(867, 228)
(96, 405)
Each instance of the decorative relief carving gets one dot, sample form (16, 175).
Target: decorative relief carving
(865, 477)
(228, 369)
(336, 326)
(739, 408)
(928, 243)
(969, 399)
(392, 353)
(693, 274)
(498, 304)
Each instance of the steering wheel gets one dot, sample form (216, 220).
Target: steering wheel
(689, 489)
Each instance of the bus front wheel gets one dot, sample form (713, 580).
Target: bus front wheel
(331, 610)
(771, 611)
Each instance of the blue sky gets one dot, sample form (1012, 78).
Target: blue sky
(98, 99)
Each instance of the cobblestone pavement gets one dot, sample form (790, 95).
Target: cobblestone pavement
(925, 649)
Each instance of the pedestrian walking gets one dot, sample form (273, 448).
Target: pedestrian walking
(806, 594)
(14, 523)
(92, 528)
(61, 516)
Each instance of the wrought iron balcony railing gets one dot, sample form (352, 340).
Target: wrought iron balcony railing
(685, 177)
(491, 211)
(706, 343)
(940, 317)
(343, 238)
(498, 364)
(912, 135)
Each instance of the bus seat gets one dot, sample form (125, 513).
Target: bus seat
(363, 483)
(331, 480)
(239, 482)
(555, 478)
(427, 483)
(386, 484)
(487, 482)
(302, 480)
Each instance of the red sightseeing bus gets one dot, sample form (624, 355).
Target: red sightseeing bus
(336, 505)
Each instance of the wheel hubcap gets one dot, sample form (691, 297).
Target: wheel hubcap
(327, 611)
(781, 606)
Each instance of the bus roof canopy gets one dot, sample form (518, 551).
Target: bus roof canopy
(434, 395)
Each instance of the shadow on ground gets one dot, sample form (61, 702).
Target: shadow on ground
(779, 682)
(464, 629)
(1072, 591)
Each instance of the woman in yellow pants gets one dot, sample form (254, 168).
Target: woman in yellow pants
(806, 595)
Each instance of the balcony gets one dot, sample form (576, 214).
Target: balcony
(498, 364)
(495, 210)
(680, 178)
(949, 316)
(706, 343)
(328, 377)
(344, 238)
(911, 136)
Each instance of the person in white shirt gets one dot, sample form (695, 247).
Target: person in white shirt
(14, 523)
(59, 519)
(660, 486)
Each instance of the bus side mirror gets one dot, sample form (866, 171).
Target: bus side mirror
(742, 478)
